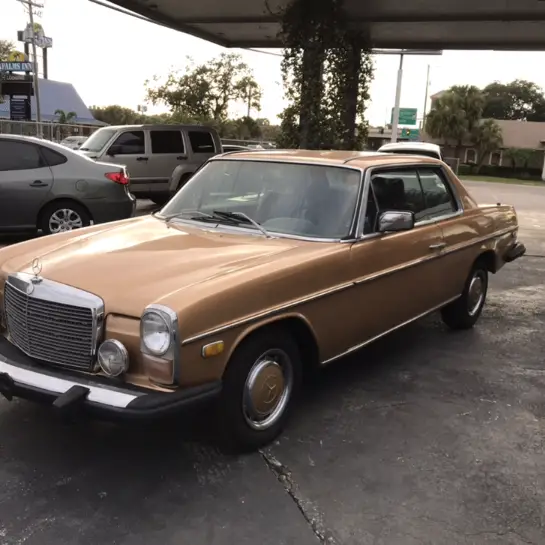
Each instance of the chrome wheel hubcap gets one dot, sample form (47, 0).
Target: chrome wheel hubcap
(64, 219)
(268, 389)
(475, 296)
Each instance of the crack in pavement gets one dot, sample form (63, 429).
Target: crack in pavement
(305, 506)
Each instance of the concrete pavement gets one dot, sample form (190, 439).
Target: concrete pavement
(427, 437)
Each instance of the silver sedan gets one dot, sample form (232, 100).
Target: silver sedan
(49, 187)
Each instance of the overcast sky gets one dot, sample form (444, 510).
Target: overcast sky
(108, 56)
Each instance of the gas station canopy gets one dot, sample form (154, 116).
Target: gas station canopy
(418, 24)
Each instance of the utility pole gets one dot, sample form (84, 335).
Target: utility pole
(395, 120)
(426, 99)
(30, 5)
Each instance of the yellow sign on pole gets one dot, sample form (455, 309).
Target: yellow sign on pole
(17, 56)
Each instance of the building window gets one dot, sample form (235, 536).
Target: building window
(495, 158)
(471, 155)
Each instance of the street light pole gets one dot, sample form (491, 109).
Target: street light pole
(402, 53)
(426, 99)
(36, 79)
(395, 120)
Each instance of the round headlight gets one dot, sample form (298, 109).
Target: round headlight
(113, 358)
(156, 333)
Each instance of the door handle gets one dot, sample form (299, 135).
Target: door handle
(141, 158)
(438, 246)
(37, 183)
(181, 157)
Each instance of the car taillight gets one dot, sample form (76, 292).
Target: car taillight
(118, 177)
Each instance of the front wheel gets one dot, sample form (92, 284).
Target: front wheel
(259, 388)
(465, 311)
(62, 216)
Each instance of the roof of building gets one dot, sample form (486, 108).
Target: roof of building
(516, 134)
(426, 24)
(522, 134)
(57, 95)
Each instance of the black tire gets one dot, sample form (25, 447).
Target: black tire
(255, 357)
(465, 311)
(62, 216)
(160, 200)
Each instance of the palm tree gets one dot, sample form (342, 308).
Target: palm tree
(487, 138)
(455, 116)
(63, 119)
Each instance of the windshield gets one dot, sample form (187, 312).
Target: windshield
(98, 140)
(282, 198)
(408, 151)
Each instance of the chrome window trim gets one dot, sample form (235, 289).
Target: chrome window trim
(367, 184)
(336, 289)
(174, 350)
(56, 292)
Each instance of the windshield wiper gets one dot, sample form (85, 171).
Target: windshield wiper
(195, 214)
(238, 216)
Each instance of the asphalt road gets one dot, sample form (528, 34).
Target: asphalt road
(426, 437)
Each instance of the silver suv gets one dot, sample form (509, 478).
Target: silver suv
(152, 152)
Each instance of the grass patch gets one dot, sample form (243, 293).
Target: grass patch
(516, 181)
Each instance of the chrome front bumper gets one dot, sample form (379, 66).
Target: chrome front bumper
(21, 376)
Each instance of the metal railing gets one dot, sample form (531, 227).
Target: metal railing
(50, 131)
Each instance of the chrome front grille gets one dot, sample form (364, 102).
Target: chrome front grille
(52, 322)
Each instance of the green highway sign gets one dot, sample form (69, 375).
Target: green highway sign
(410, 134)
(407, 116)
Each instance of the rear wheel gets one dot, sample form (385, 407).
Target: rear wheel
(259, 388)
(465, 311)
(62, 216)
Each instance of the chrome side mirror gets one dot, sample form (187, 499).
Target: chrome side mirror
(393, 222)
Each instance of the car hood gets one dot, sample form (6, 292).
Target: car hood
(143, 260)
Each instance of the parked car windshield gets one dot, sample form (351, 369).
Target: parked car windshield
(98, 140)
(284, 198)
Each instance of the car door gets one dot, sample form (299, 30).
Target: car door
(458, 230)
(202, 145)
(129, 149)
(167, 152)
(396, 275)
(25, 182)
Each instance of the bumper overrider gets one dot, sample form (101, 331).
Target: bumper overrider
(21, 376)
(516, 251)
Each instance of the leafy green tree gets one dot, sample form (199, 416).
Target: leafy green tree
(487, 138)
(455, 116)
(6, 48)
(519, 158)
(518, 100)
(205, 92)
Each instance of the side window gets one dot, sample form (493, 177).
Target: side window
(437, 194)
(53, 158)
(393, 190)
(166, 142)
(201, 142)
(19, 156)
(129, 143)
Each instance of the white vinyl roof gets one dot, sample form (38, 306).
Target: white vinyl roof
(416, 24)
